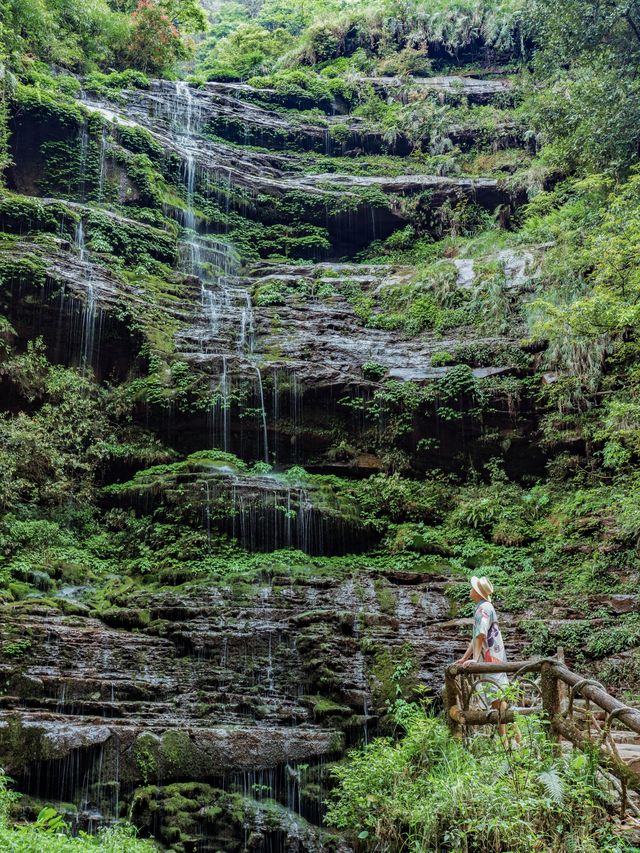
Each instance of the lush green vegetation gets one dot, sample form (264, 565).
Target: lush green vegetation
(428, 791)
(518, 457)
(50, 832)
(337, 36)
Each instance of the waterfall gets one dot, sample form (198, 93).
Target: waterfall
(90, 308)
(190, 183)
(103, 155)
(80, 241)
(264, 414)
(295, 396)
(84, 147)
(226, 410)
(247, 326)
(221, 414)
(226, 306)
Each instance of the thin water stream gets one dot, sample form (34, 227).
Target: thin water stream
(226, 305)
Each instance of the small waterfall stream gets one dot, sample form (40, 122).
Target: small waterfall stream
(227, 308)
(89, 313)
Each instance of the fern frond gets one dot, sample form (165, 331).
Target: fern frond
(552, 783)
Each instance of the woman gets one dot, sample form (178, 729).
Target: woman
(486, 646)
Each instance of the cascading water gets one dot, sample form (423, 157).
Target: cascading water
(226, 306)
(221, 413)
(265, 435)
(247, 326)
(103, 160)
(90, 308)
(84, 148)
(296, 392)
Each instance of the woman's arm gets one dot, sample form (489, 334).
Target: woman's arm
(474, 652)
(465, 657)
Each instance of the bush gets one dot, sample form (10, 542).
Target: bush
(154, 44)
(429, 791)
(301, 88)
(249, 50)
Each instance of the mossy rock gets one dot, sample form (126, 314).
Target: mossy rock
(324, 707)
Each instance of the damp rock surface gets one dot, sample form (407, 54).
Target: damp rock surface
(230, 687)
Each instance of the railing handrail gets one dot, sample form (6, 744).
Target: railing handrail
(600, 697)
(508, 666)
(628, 715)
(556, 680)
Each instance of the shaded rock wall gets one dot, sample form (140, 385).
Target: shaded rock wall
(159, 258)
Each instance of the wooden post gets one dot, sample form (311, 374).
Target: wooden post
(629, 717)
(550, 697)
(451, 701)
(563, 693)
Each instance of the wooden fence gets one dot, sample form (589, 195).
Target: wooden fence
(575, 709)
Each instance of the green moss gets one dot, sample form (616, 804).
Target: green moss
(385, 597)
(146, 751)
(394, 675)
(323, 707)
(22, 214)
(178, 757)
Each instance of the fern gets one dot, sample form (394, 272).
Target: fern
(553, 785)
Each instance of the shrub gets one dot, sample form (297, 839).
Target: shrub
(154, 44)
(429, 791)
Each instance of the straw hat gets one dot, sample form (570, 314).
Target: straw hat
(482, 586)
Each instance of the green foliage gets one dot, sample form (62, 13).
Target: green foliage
(115, 81)
(6, 85)
(373, 370)
(20, 214)
(383, 498)
(383, 27)
(589, 54)
(64, 33)
(83, 36)
(154, 41)
(16, 649)
(42, 460)
(245, 52)
(303, 89)
(46, 105)
(589, 118)
(429, 790)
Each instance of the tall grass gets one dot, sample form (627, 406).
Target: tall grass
(431, 792)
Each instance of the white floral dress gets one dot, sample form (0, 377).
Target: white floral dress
(485, 622)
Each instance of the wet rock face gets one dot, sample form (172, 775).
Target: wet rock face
(233, 686)
(186, 123)
(285, 340)
(213, 710)
(261, 511)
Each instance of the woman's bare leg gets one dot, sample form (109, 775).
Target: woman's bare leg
(501, 706)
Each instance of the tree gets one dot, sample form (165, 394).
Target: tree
(570, 31)
(586, 103)
(249, 50)
(155, 42)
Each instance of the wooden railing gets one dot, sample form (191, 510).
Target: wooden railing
(574, 708)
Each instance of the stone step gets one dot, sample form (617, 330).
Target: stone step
(630, 754)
